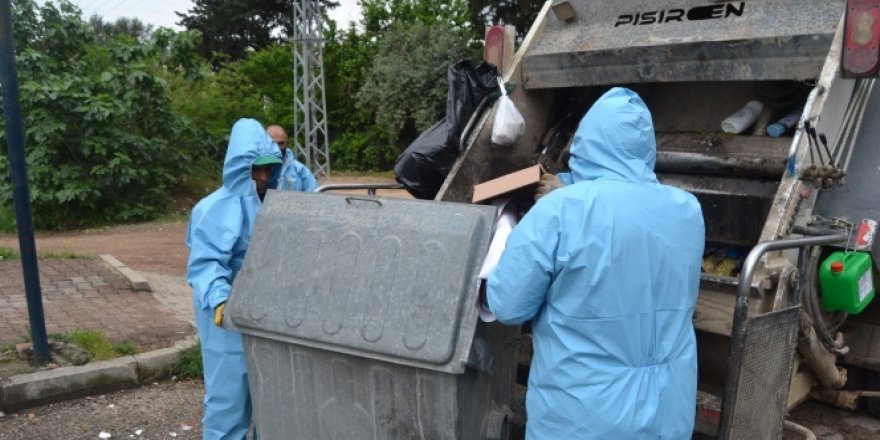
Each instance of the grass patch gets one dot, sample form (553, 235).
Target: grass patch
(9, 254)
(99, 346)
(190, 365)
(58, 255)
(10, 364)
(125, 348)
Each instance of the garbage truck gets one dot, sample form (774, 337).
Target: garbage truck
(781, 206)
(359, 313)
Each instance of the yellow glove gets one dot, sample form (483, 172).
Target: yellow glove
(548, 183)
(218, 314)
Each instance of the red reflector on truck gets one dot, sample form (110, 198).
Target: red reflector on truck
(861, 45)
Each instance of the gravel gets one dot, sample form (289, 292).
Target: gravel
(159, 411)
(173, 410)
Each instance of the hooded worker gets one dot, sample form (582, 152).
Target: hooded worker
(608, 269)
(218, 235)
(294, 175)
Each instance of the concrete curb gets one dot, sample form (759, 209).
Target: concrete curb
(136, 280)
(48, 386)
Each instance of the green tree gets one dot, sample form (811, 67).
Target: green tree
(404, 88)
(355, 141)
(103, 144)
(232, 28)
(520, 13)
(109, 30)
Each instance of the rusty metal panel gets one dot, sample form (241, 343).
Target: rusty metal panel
(386, 279)
(611, 42)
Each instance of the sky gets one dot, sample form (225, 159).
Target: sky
(161, 12)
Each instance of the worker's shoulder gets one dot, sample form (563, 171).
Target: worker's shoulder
(219, 202)
(680, 195)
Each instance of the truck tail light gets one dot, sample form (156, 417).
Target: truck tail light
(861, 54)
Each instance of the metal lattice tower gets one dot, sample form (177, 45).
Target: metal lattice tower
(309, 102)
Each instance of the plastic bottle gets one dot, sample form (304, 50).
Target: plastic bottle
(782, 126)
(743, 118)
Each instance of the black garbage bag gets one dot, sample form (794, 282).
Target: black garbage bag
(426, 162)
(423, 167)
(468, 85)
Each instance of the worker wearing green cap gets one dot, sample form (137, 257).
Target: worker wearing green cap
(218, 236)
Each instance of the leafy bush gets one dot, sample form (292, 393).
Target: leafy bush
(259, 87)
(7, 220)
(103, 144)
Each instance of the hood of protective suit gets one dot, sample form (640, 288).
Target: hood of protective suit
(615, 140)
(247, 142)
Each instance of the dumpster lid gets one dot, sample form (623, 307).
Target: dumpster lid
(386, 279)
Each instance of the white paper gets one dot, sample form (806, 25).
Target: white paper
(506, 220)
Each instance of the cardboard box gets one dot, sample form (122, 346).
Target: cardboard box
(507, 184)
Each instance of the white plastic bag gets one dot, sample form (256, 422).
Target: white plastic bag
(509, 123)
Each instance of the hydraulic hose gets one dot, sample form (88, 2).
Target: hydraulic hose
(803, 431)
(809, 263)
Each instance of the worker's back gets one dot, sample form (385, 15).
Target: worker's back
(608, 268)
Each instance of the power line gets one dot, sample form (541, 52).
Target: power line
(84, 6)
(97, 7)
(107, 12)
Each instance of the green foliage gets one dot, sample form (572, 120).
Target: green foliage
(59, 255)
(190, 364)
(232, 28)
(123, 27)
(97, 344)
(125, 348)
(393, 68)
(7, 254)
(411, 94)
(520, 13)
(258, 87)
(380, 15)
(355, 141)
(103, 144)
(7, 220)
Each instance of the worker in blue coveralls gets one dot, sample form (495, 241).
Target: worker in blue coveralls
(608, 269)
(218, 235)
(294, 175)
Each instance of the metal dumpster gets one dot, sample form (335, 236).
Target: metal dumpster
(360, 322)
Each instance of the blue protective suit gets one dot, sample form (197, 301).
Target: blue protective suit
(218, 235)
(608, 270)
(295, 176)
